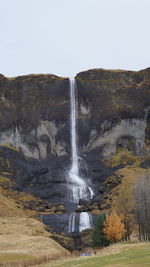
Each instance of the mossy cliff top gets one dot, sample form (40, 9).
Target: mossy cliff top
(115, 94)
(25, 100)
(114, 75)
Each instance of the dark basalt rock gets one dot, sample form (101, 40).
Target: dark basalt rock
(59, 222)
(83, 202)
(111, 96)
(114, 112)
(146, 164)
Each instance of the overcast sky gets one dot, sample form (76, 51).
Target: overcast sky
(64, 37)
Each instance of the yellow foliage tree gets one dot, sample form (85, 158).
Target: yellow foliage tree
(114, 228)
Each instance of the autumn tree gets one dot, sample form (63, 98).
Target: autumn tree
(114, 229)
(124, 206)
(123, 201)
(98, 238)
(142, 206)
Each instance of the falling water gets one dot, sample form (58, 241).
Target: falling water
(74, 168)
(85, 221)
(72, 222)
(78, 184)
(79, 189)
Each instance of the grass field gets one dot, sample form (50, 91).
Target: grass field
(15, 257)
(135, 255)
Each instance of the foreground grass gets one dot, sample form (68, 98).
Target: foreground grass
(135, 255)
(24, 240)
(15, 257)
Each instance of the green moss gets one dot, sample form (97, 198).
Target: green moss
(104, 81)
(38, 77)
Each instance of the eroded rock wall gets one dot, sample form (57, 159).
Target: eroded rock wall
(34, 114)
(114, 111)
(113, 104)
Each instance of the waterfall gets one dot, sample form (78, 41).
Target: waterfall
(78, 184)
(72, 222)
(74, 167)
(85, 221)
(78, 187)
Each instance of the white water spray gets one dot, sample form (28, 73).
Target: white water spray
(85, 221)
(79, 189)
(77, 183)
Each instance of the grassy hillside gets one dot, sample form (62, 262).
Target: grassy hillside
(120, 183)
(24, 238)
(135, 255)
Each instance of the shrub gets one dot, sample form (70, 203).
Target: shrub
(98, 237)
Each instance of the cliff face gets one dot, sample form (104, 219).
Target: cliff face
(34, 112)
(34, 131)
(113, 104)
(114, 113)
(114, 108)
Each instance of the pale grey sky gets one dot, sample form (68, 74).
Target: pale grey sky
(64, 37)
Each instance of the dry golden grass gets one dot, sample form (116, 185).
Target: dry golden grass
(130, 174)
(124, 157)
(20, 199)
(9, 208)
(24, 235)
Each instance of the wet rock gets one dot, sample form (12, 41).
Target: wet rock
(83, 202)
(82, 209)
(146, 164)
(40, 172)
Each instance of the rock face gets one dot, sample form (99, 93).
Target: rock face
(34, 114)
(113, 104)
(34, 135)
(114, 113)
